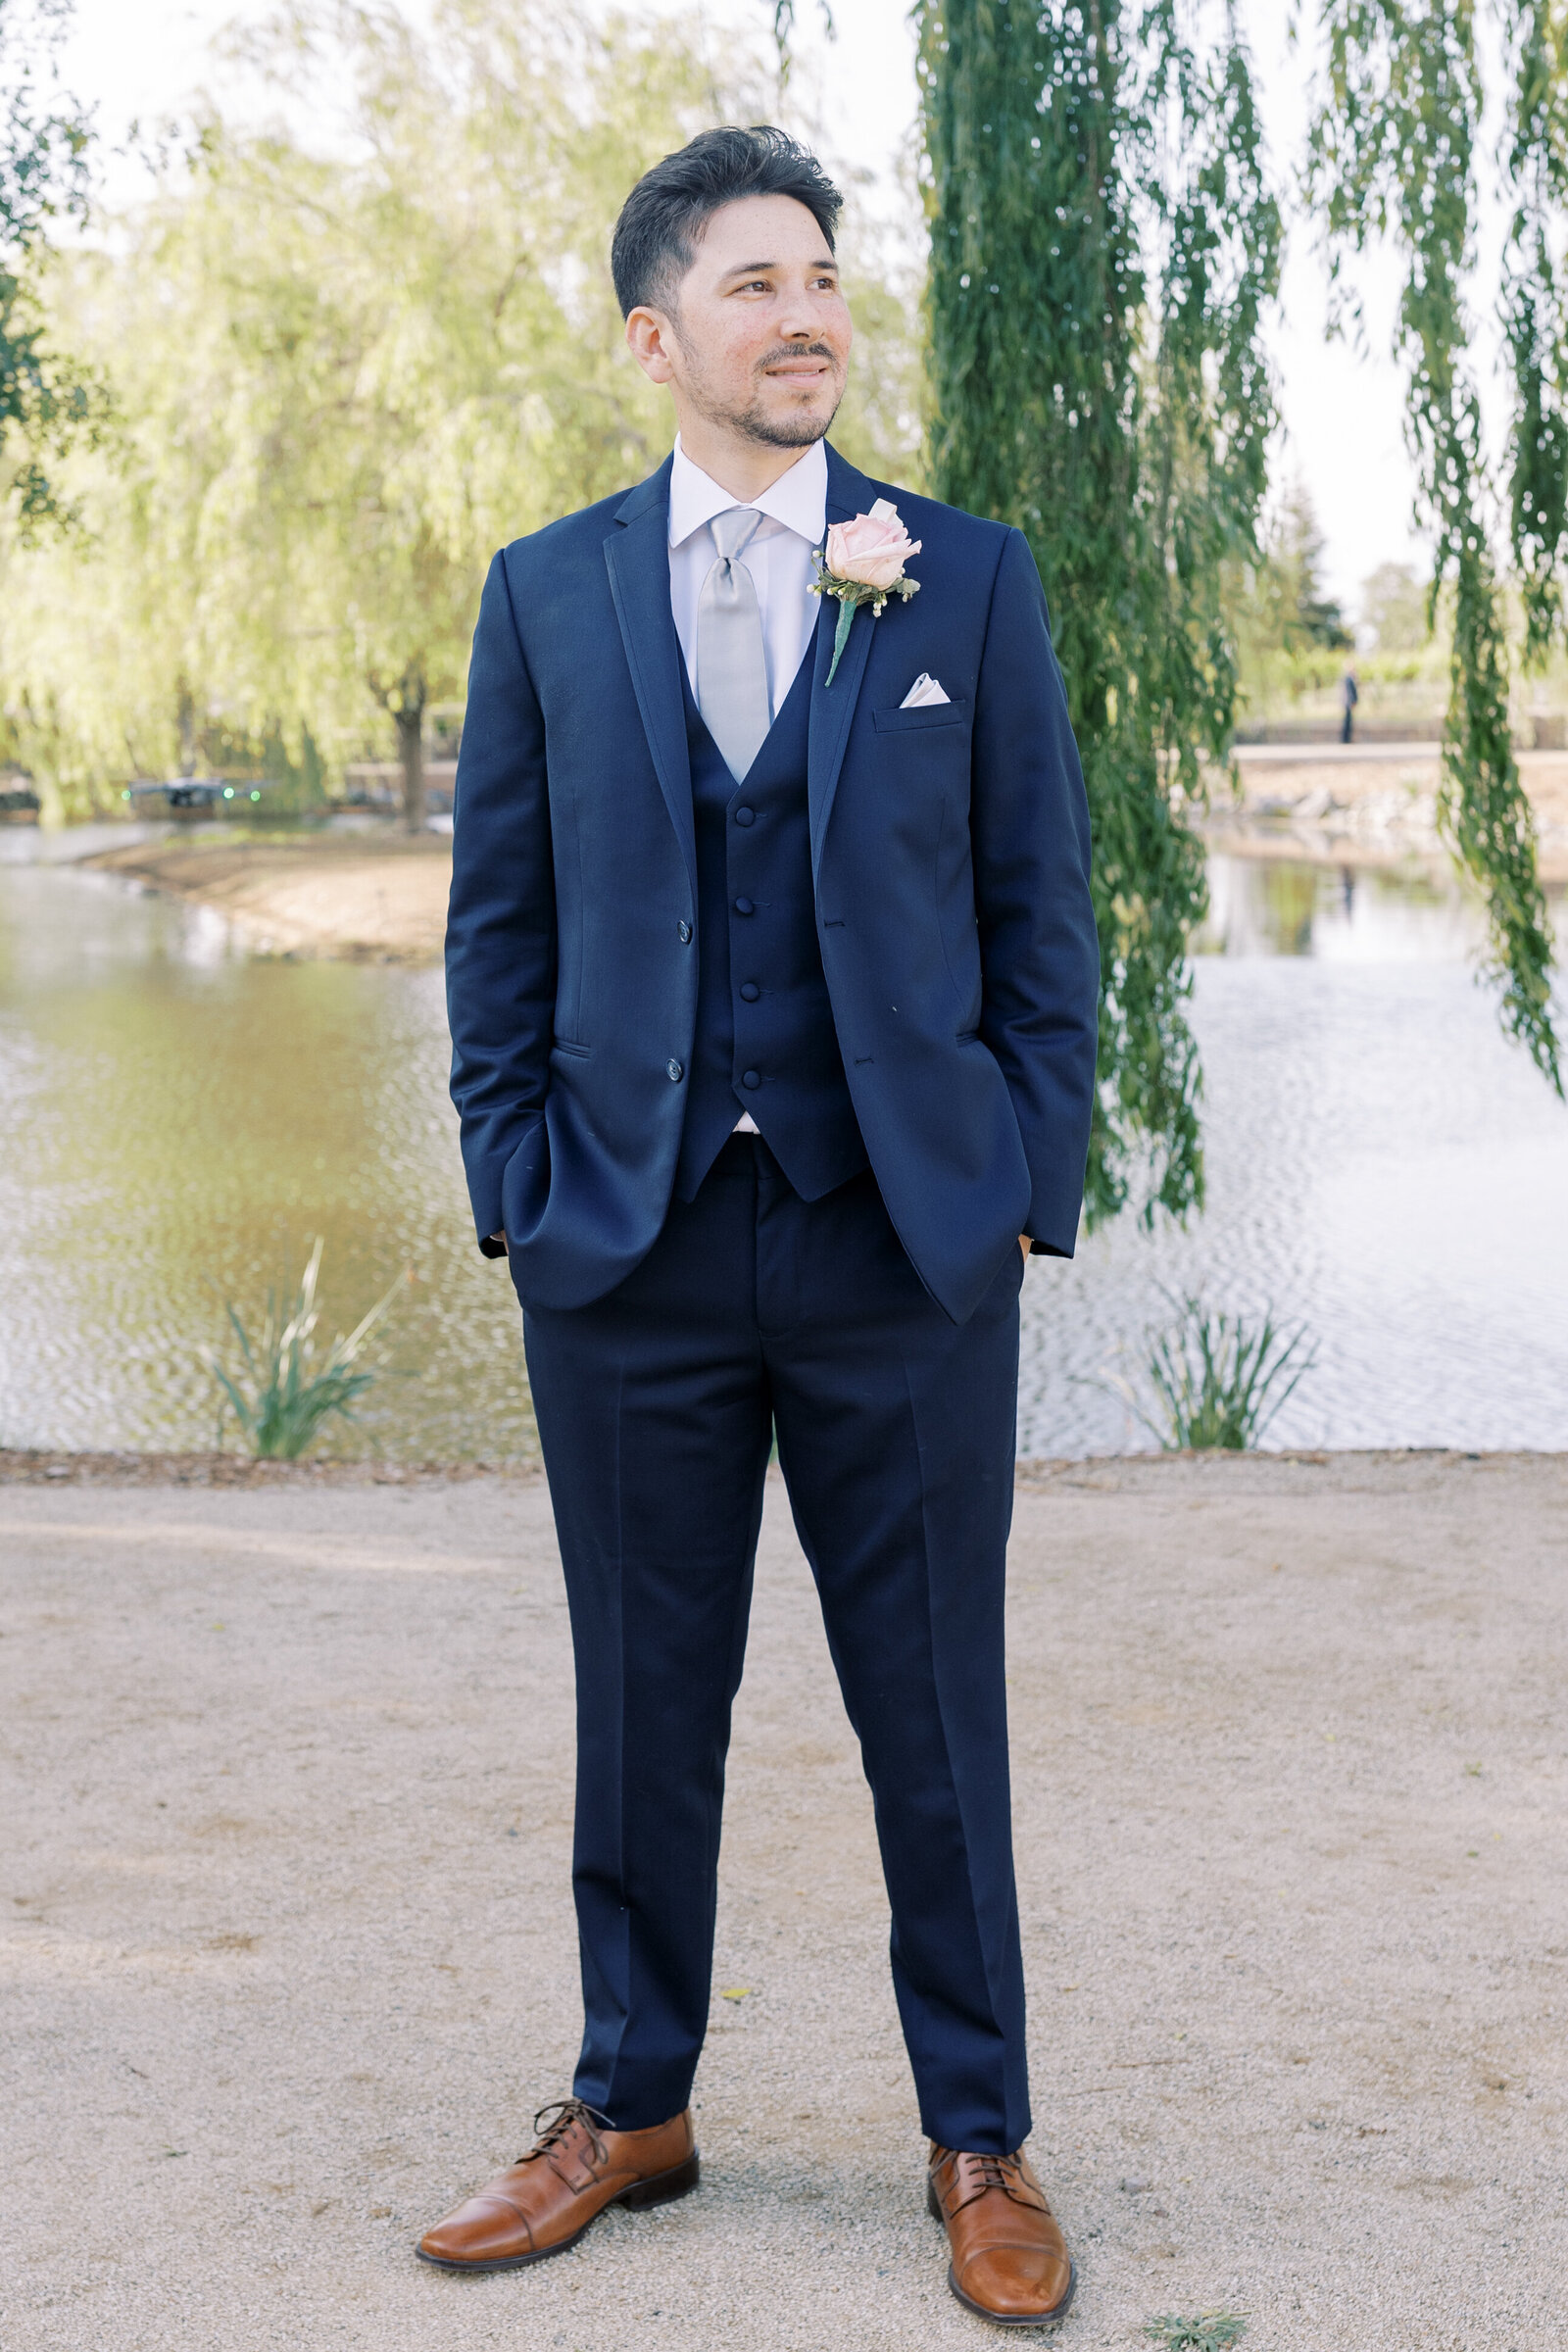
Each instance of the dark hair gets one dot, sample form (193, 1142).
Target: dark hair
(660, 222)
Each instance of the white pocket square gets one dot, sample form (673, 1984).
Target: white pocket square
(924, 693)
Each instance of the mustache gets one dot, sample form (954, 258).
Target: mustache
(797, 351)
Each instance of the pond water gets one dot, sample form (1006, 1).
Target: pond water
(181, 1120)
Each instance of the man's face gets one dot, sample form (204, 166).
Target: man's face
(758, 341)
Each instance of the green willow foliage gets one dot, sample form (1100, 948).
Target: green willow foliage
(44, 402)
(1535, 314)
(1103, 246)
(1393, 157)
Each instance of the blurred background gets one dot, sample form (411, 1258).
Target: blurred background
(307, 309)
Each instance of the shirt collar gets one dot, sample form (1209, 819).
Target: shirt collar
(798, 499)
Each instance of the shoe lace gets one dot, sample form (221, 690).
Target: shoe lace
(972, 2174)
(553, 2123)
(997, 2172)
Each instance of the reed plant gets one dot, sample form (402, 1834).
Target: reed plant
(285, 1384)
(1217, 1380)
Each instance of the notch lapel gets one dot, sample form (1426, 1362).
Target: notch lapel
(637, 556)
(849, 493)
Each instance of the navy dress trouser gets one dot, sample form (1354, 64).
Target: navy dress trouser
(758, 1311)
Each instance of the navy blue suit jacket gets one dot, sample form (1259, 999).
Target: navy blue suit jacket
(949, 860)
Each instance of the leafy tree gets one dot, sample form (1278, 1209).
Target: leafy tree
(1394, 157)
(343, 382)
(1279, 603)
(1103, 248)
(1395, 607)
(43, 148)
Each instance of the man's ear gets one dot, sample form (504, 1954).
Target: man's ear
(650, 336)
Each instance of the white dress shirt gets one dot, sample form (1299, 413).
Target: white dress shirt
(778, 557)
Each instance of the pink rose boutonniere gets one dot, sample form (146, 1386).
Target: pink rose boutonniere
(863, 564)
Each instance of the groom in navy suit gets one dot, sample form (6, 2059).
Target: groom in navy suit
(773, 991)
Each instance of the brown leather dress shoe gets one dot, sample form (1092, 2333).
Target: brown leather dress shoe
(544, 2202)
(1009, 2259)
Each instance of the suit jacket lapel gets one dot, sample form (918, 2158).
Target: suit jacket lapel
(637, 554)
(849, 493)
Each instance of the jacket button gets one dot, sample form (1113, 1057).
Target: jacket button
(749, 991)
(685, 935)
(744, 907)
(751, 1078)
(746, 816)
(672, 1070)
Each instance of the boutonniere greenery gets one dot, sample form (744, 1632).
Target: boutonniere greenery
(863, 564)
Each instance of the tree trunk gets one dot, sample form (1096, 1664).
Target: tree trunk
(410, 752)
(187, 731)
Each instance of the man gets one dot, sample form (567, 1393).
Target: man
(773, 991)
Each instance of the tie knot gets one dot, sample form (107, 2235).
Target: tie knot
(732, 530)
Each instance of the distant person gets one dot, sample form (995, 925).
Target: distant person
(772, 981)
(1350, 696)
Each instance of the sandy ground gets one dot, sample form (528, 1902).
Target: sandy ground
(1368, 804)
(380, 897)
(374, 898)
(288, 1957)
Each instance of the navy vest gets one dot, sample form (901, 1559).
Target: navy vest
(765, 1041)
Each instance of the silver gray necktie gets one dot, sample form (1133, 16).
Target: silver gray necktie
(731, 666)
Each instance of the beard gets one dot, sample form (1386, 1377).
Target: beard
(753, 420)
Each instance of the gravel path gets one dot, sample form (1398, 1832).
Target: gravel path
(287, 1948)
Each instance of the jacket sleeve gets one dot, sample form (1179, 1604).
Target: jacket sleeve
(501, 922)
(1039, 955)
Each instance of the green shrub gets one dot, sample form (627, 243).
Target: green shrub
(1210, 2332)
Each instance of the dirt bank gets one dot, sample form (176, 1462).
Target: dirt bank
(1372, 805)
(380, 897)
(374, 898)
(287, 1954)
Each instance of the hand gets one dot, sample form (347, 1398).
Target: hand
(1024, 1242)
(500, 1238)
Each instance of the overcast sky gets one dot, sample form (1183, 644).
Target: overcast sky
(144, 57)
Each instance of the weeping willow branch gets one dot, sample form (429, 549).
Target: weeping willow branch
(45, 400)
(784, 33)
(1535, 309)
(1392, 158)
(1103, 247)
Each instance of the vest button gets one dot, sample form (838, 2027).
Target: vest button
(685, 935)
(751, 1078)
(749, 991)
(744, 907)
(672, 1070)
(746, 816)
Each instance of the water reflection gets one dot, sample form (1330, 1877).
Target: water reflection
(179, 1119)
(1282, 907)
(1381, 1164)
